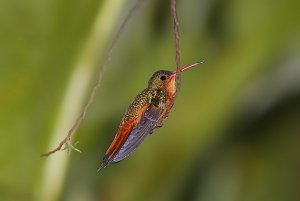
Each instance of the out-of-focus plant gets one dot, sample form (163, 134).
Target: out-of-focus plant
(232, 135)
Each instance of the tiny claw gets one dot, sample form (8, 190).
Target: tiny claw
(158, 125)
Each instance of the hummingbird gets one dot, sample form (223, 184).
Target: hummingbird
(147, 112)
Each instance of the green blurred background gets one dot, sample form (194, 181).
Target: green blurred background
(233, 134)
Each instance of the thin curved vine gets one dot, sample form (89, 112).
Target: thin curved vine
(66, 142)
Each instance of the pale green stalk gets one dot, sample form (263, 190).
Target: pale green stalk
(56, 165)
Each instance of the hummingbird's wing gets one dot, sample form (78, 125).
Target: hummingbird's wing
(131, 134)
(121, 136)
(138, 134)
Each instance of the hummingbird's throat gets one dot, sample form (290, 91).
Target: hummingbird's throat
(171, 86)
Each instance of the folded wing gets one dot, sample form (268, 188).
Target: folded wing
(139, 133)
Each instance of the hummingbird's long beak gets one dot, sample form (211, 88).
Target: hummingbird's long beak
(187, 67)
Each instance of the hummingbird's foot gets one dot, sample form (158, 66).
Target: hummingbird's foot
(158, 125)
(69, 146)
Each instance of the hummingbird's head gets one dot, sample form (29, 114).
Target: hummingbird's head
(159, 79)
(164, 79)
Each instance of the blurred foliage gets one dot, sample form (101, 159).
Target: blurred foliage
(233, 134)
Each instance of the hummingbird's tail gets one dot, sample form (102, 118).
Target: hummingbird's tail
(105, 162)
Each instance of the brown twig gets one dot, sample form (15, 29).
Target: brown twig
(67, 140)
(177, 43)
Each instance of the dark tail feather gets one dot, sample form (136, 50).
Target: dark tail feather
(105, 162)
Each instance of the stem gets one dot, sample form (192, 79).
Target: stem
(177, 44)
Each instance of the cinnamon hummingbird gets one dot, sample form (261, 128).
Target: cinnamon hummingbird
(147, 111)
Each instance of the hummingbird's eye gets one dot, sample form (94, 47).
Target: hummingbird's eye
(163, 77)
